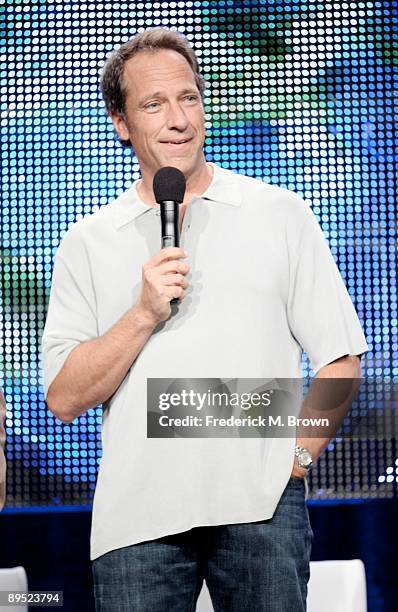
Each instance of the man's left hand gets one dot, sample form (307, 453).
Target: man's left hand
(298, 472)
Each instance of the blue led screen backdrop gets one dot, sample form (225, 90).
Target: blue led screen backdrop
(299, 94)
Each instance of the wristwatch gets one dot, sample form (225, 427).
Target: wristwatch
(304, 457)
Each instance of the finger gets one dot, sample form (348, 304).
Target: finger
(175, 266)
(175, 291)
(175, 279)
(167, 254)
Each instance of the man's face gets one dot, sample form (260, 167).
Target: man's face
(163, 109)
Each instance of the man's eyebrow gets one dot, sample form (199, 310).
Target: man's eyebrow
(189, 90)
(156, 94)
(159, 94)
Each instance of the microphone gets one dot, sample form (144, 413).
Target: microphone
(169, 190)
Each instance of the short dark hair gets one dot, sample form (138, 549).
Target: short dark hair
(112, 86)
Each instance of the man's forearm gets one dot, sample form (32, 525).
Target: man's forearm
(94, 370)
(344, 368)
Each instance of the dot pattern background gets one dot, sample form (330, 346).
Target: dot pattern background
(300, 94)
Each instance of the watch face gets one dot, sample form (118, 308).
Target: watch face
(305, 458)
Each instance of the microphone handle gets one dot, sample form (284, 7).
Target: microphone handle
(169, 214)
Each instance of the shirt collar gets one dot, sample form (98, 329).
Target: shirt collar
(223, 188)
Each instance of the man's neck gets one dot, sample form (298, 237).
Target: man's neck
(196, 185)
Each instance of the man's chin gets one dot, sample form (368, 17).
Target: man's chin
(186, 165)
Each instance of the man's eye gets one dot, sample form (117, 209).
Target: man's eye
(152, 105)
(191, 98)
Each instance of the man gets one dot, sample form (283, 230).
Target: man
(256, 284)
(2, 457)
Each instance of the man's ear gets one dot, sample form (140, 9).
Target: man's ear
(120, 126)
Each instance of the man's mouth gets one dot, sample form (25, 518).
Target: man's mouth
(176, 142)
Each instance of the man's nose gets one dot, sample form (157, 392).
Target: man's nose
(176, 117)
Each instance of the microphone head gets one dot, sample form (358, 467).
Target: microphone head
(169, 185)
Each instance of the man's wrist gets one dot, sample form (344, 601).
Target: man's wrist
(143, 317)
(303, 461)
(299, 472)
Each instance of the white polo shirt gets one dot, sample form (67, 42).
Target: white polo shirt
(263, 287)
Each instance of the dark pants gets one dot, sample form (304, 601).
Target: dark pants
(261, 566)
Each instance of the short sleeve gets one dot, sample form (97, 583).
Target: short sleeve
(320, 312)
(71, 315)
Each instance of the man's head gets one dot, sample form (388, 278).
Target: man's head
(153, 92)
